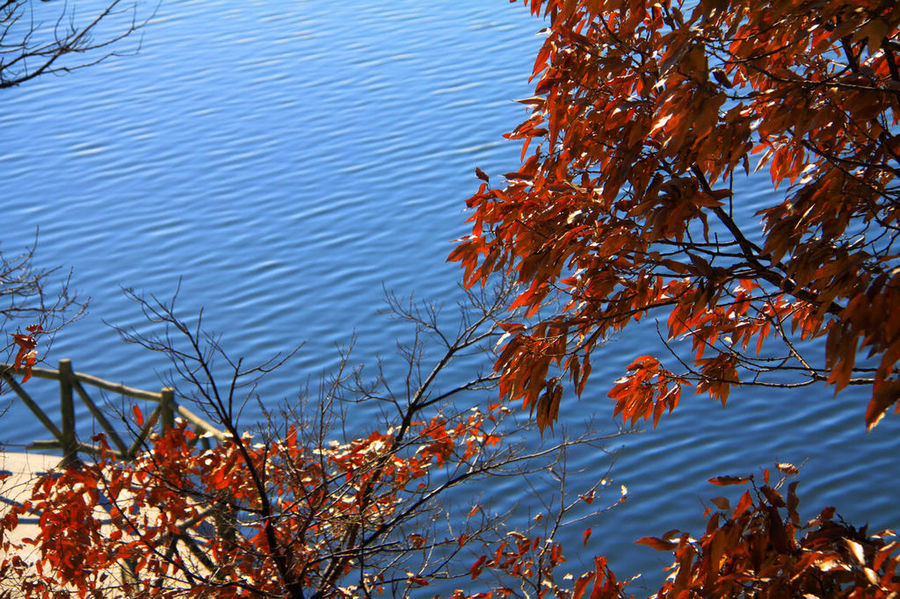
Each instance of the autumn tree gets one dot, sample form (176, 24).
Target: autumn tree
(646, 126)
(314, 504)
(632, 202)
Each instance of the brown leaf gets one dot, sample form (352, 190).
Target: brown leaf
(773, 496)
(722, 503)
(548, 405)
(729, 480)
(657, 543)
(787, 468)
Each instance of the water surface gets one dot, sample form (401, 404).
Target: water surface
(285, 161)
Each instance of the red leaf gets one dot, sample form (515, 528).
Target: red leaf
(27, 362)
(27, 355)
(138, 417)
(477, 567)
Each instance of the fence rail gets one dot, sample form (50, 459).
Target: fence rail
(65, 437)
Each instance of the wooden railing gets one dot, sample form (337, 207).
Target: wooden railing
(65, 437)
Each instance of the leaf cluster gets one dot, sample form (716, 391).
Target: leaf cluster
(631, 199)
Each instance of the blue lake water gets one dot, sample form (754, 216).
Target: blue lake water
(287, 160)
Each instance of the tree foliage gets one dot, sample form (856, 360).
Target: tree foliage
(632, 200)
(285, 519)
(314, 505)
(761, 548)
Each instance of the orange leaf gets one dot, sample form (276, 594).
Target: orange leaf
(745, 502)
(581, 584)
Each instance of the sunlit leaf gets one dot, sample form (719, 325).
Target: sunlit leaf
(657, 543)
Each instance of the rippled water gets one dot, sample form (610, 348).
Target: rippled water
(286, 161)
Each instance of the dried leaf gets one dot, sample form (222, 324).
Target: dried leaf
(657, 543)
(730, 480)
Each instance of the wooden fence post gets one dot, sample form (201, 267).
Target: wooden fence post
(166, 409)
(67, 412)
